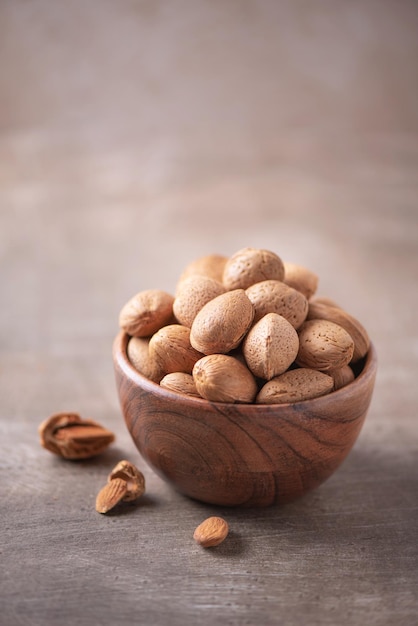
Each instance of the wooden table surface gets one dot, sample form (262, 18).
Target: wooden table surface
(134, 137)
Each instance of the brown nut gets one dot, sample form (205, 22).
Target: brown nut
(110, 495)
(139, 356)
(170, 349)
(273, 296)
(342, 376)
(300, 278)
(221, 378)
(324, 300)
(251, 265)
(134, 478)
(72, 437)
(192, 295)
(270, 346)
(125, 483)
(358, 333)
(211, 532)
(146, 313)
(221, 324)
(295, 386)
(324, 345)
(210, 266)
(180, 382)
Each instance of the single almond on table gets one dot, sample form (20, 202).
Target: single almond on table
(222, 378)
(295, 386)
(270, 346)
(72, 437)
(146, 312)
(324, 345)
(211, 532)
(222, 323)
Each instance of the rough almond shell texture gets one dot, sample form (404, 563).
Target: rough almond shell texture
(222, 378)
(192, 295)
(180, 382)
(300, 278)
(270, 346)
(146, 313)
(324, 345)
(170, 348)
(222, 323)
(342, 376)
(358, 333)
(252, 265)
(295, 386)
(210, 265)
(140, 358)
(273, 296)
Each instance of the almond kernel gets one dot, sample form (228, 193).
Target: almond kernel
(111, 494)
(211, 532)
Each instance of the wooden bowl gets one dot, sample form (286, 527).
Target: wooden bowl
(241, 454)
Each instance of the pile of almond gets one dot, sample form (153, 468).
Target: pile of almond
(245, 328)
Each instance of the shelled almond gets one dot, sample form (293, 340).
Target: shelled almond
(246, 328)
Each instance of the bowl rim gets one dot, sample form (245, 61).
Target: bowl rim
(120, 357)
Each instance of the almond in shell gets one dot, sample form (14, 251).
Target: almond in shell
(209, 265)
(222, 378)
(252, 265)
(192, 295)
(146, 312)
(270, 346)
(180, 382)
(221, 324)
(139, 356)
(324, 345)
(319, 310)
(342, 376)
(295, 385)
(171, 350)
(300, 278)
(273, 296)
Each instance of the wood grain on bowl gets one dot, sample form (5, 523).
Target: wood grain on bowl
(241, 455)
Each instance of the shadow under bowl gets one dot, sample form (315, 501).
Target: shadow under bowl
(241, 454)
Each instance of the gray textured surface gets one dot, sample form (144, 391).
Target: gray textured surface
(135, 136)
